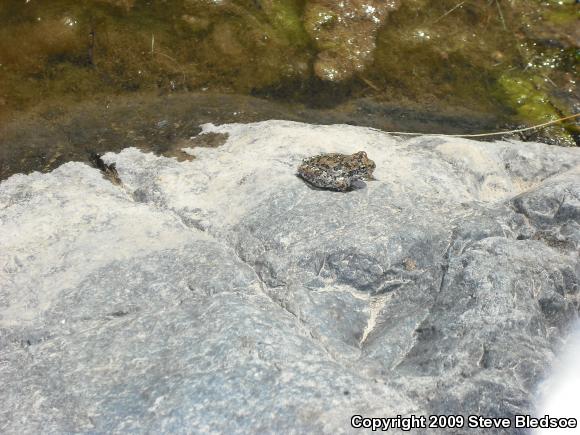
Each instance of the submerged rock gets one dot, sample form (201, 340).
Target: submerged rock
(344, 33)
(223, 294)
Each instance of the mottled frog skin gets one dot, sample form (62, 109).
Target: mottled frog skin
(336, 171)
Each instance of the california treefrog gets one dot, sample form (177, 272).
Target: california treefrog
(336, 171)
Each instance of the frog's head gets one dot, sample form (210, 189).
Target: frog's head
(362, 165)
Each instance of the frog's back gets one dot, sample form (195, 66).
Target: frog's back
(328, 161)
(336, 171)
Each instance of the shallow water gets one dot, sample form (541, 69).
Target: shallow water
(45, 139)
(513, 62)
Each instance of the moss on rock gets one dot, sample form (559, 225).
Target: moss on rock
(533, 105)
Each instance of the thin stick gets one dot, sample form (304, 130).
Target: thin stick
(167, 56)
(448, 12)
(498, 133)
(500, 14)
(152, 44)
(371, 84)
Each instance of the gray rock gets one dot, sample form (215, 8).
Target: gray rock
(224, 295)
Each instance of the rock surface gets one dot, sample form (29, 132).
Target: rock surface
(224, 295)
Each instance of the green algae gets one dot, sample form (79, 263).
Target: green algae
(561, 17)
(527, 99)
(286, 18)
(533, 104)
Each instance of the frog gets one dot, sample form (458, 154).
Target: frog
(338, 172)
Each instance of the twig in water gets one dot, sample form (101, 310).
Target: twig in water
(167, 56)
(500, 14)
(497, 133)
(370, 84)
(91, 49)
(551, 82)
(448, 12)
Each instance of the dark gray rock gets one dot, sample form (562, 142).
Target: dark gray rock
(224, 295)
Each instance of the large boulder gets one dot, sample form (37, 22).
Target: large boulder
(225, 295)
